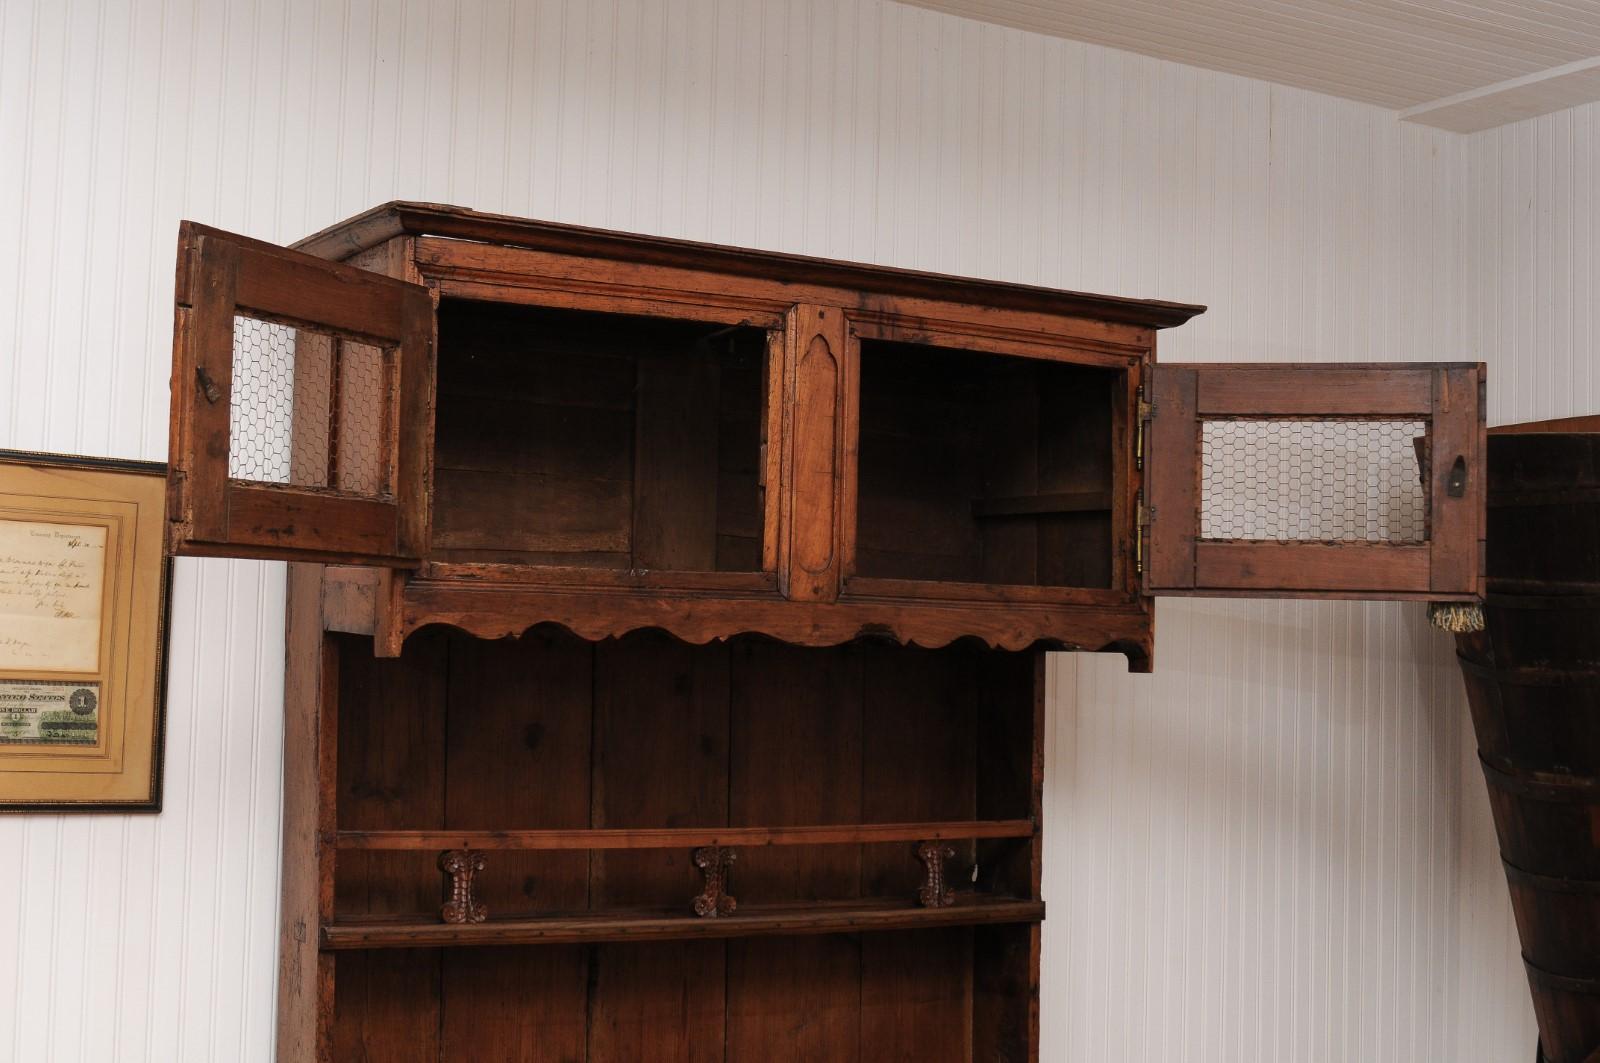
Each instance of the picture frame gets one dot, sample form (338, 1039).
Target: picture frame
(85, 590)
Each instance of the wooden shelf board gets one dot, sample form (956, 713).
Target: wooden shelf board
(840, 918)
(686, 837)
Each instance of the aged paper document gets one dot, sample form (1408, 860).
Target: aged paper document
(52, 582)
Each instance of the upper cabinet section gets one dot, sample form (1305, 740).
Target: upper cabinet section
(583, 439)
(548, 423)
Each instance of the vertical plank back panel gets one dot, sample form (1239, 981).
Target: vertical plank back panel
(919, 763)
(795, 759)
(675, 463)
(390, 776)
(518, 756)
(659, 759)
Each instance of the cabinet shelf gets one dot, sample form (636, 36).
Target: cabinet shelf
(659, 925)
(684, 837)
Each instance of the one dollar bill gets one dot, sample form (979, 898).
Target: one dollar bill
(59, 713)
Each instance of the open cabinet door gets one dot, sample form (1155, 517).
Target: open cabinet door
(1338, 481)
(300, 397)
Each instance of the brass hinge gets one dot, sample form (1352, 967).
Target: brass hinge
(1144, 411)
(1145, 514)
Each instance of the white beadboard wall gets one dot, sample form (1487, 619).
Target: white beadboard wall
(1274, 849)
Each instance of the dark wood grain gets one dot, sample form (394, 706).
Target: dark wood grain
(391, 773)
(675, 463)
(1534, 691)
(660, 758)
(797, 718)
(919, 761)
(519, 711)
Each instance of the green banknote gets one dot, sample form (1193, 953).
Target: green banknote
(57, 713)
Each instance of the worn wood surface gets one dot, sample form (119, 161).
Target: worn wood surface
(391, 774)
(798, 717)
(494, 609)
(685, 837)
(1322, 390)
(1172, 479)
(468, 228)
(789, 925)
(513, 730)
(984, 470)
(1378, 569)
(815, 352)
(659, 758)
(310, 705)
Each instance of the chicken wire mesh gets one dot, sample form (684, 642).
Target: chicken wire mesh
(1321, 481)
(308, 409)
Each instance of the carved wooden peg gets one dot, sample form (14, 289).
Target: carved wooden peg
(461, 867)
(715, 900)
(934, 893)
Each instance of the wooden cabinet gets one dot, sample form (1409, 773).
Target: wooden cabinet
(781, 542)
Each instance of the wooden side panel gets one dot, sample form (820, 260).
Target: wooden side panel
(305, 975)
(1005, 989)
(660, 759)
(796, 759)
(815, 354)
(518, 757)
(390, 776)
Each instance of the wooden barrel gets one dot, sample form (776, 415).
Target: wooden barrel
(1533, 683)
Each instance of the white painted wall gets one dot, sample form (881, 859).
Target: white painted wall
(1274, 849)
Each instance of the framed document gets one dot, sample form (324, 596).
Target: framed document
(83, 627)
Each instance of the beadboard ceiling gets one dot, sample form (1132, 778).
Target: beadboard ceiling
(1462, 65)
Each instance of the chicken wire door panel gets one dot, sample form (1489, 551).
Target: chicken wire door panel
(1314, 481)
(299, 402)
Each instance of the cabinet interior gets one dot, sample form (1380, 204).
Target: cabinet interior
(580, 438)
(981, 468)
(552, 731)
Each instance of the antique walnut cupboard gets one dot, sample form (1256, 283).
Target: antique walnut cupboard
(666, 621)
